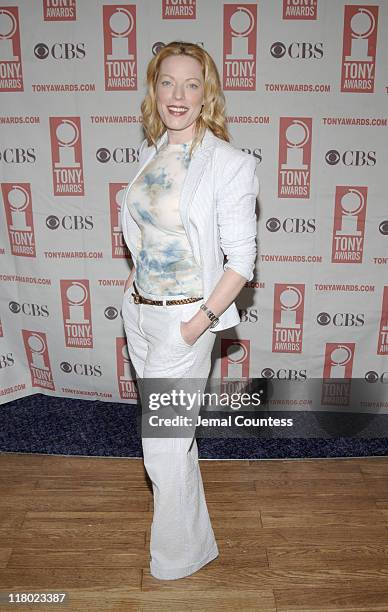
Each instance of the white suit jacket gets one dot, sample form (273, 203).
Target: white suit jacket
(218, 211)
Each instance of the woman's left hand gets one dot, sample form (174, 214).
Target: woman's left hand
(188, 336)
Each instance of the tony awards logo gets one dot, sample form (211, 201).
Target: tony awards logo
(337, 373)
(288, 318)
(294, 157)
(359, 49)
(11, 75)
(35, 345)
(235, 358)
(116, 195)
(179, 9)
(18, 211)
(66, 153)
(59, 10)
(300, 9)
(76, 308)
(240, 33)
(120, 60)
(349, 224)
(382, 345)
(126, 383)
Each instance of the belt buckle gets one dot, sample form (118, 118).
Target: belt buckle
(136, 298)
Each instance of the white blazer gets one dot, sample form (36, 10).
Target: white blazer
(218, 211)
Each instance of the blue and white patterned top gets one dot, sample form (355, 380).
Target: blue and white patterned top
(165, 264)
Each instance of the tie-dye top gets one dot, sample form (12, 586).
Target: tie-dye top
(165, 264)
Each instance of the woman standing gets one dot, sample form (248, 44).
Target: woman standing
(191, 203)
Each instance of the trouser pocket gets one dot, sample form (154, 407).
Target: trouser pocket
(183, 313)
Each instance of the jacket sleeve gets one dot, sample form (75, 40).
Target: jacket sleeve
(236, 215)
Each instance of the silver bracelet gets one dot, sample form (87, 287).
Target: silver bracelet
(214, 320)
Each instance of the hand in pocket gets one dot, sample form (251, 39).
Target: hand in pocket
(182, 332)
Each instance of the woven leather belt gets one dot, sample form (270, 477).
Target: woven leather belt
(139, 299)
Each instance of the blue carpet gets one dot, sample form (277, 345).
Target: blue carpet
(66, 426)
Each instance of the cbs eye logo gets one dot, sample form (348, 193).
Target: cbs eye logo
(103, 155)
(14, 307)
(111, 313)
(383, 228)
(66, 367)
(273, 224)
(332, 157)
(278, 49)
(267, 373)
(371, 376)
(323, 318)
(41, 51)
(52, 222)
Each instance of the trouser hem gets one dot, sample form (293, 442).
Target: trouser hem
(175, 573)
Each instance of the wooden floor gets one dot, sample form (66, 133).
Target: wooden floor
(307, 535)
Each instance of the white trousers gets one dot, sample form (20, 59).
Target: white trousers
(182, 538)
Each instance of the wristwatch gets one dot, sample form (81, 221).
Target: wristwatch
(214, 320)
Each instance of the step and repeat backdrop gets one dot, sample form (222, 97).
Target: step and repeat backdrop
(306, 85)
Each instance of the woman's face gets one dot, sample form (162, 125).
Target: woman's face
(179, 96)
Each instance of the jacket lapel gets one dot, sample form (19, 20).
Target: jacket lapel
(194, 173)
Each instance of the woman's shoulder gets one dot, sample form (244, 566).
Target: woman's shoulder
(227, 153)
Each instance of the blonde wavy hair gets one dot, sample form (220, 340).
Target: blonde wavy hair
(212, 115)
